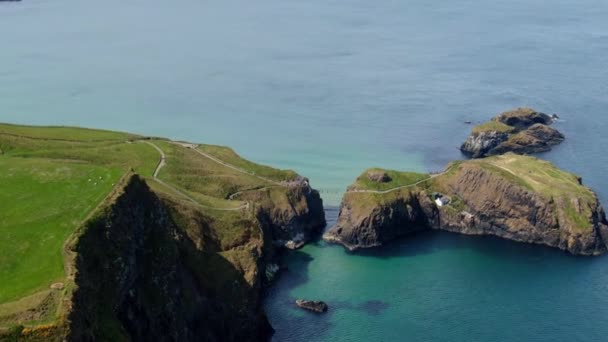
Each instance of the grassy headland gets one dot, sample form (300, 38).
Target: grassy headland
(54, 179)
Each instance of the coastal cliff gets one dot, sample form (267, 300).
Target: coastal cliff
(170, 241)
(171, 274)
(293, 217)
(515, 197)
(152, 269)
(521, 131)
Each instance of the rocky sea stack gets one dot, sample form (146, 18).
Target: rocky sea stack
(315, 306)
(516, 197)
(521, 131)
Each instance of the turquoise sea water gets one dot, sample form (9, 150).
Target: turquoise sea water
(330, 88)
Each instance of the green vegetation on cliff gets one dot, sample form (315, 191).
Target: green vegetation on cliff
(514, 196)
(54, 181)
(530, 173)
(393, 179)
(42, 201)
(493, 125)
(545, 179)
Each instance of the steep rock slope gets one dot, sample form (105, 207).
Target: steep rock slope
(515, 197)
(149, 269)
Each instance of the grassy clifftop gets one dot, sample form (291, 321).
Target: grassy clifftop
(531, 174)
(514, 196)
(54, 179)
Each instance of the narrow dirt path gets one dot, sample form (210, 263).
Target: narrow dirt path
(402, 186)
(194, 147)
(162, 162)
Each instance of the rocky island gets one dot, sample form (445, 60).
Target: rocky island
(521, 131)
(314, 306)
(115, 236)
(512, 196)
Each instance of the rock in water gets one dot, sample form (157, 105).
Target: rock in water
(316, 306)
(521, 131)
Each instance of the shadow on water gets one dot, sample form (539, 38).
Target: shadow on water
(471, 257)
(432, 241)
(370, 307)
(281, 304)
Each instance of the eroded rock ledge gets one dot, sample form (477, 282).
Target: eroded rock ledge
(521, 131)
(515, 197)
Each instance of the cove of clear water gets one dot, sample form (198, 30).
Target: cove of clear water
(330, 88)
(439, 286)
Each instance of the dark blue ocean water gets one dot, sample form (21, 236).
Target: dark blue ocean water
(330, 88)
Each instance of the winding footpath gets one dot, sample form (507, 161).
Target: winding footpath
(163, 162)
(194, 147)
(402, 186)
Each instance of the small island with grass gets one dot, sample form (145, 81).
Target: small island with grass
(521, 131)
(512, 196)
(113, 236)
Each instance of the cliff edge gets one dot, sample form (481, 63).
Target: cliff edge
(148, 239)
(515, 197)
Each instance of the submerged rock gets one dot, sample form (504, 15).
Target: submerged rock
(521, 131)
(316, 306)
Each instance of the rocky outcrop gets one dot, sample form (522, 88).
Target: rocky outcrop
(378, 176)
(142, 276)
(483, 143)
(292, 217)
(315, 306)
(522, 131)
(485, 201)
(536, 138)
(372, 226)
(149, 268)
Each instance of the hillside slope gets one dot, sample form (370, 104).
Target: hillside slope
(171, 244)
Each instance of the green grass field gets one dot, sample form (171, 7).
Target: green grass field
(493, 125)
(546, 179)
(42, 201)
(196, 174)
(53, 178)
(227, 155)
(64, 133)
(398, 178)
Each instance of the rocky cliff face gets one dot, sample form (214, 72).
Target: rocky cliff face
(292, 217)
(483, 201)
(481, 144)
(372, 226)
(149, 268)
(522, 131)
